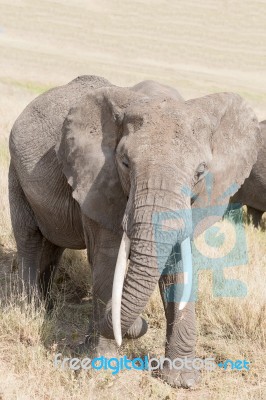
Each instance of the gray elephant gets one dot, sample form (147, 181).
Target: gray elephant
(253, 191)
(118, 171)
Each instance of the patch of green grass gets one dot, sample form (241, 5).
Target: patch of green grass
(4, 152)
(32, 87)
(259, 97)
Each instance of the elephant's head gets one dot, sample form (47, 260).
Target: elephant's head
(130, 157)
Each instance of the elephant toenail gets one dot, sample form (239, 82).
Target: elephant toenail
(189, 383)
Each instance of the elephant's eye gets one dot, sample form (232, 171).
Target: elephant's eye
(201, 171)
(125, 162)
(122, 159)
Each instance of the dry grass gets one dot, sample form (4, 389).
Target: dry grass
(198, 47)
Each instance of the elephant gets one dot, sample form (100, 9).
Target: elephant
(118, 171)
(152, 89)
(253, 191)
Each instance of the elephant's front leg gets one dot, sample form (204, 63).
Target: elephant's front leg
(103, 246)
(180, 336)
(102, 255)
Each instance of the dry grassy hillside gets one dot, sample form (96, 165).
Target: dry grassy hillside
(199, 47)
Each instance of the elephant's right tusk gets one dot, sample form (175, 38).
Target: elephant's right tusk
(187, 271)
(119, 276)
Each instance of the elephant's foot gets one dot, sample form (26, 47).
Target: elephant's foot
(97, 345)
(102, 347)
(186, 378)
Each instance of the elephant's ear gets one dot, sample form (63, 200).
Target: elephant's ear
(90, 135)
(234, 140)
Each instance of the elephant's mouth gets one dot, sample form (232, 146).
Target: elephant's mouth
(121, 271)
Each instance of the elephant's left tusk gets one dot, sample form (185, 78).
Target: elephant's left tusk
(186, 257)
(119, 276)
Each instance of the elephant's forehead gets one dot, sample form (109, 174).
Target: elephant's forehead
(171, 141)
(176, 127)
(175, 149)
(166, 116)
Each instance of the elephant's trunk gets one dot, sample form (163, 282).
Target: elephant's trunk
(120, 273)
(153, 230)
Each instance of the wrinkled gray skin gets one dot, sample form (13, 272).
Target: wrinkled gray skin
(253, 191)
(90, 160)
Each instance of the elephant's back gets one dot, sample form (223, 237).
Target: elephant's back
(38, 127)
(154, 89)
(263, 134)
(253, 191)
(258, 172)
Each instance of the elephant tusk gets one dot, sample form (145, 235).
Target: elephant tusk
(119, 276)
(187, 270)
